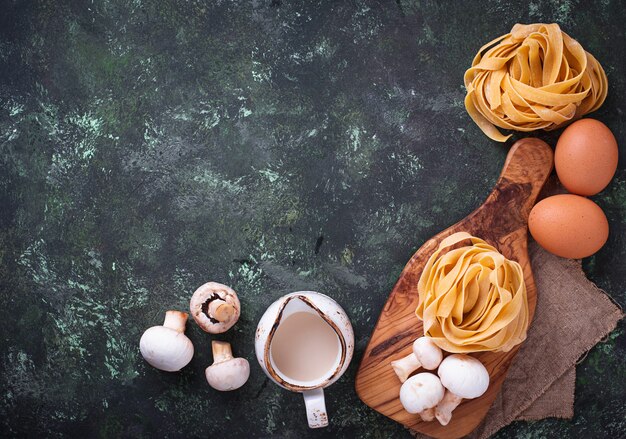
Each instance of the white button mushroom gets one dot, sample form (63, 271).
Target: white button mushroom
(226, 373)
(421, 393)
(425, 354)
(465, 377)
(215, 307)
(167, 347)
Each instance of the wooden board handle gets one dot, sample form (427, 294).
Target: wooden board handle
(527, 167)
(501, 221)
(529, 161)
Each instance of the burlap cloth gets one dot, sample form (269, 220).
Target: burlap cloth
(572, 315)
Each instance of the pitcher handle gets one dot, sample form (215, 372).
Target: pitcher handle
(315, 408)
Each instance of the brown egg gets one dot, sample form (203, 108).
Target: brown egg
(586, 157)
(569, 226)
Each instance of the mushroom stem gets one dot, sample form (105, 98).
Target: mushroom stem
(175, 320)
(221, 311)
(428, 414)
(222, 351)
(443, 411)
(405, 366)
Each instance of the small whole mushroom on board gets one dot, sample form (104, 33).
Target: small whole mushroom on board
(425, 354)
(421, 393)
(464, 377)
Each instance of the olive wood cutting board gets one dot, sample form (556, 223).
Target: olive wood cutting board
(501, 221)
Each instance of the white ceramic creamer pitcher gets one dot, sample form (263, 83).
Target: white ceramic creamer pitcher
(317, 306)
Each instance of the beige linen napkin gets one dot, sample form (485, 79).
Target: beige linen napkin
(572, 315)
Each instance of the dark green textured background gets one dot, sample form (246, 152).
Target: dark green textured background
(149, 146)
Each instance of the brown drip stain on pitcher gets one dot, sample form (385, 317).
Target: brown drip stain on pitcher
(266, 350)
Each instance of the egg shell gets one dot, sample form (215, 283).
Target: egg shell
(586, 157)
(569, 226)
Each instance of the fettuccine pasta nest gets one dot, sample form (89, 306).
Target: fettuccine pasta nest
(472, 298)
(536, 77)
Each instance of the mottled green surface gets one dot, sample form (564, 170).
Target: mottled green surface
(147, 147)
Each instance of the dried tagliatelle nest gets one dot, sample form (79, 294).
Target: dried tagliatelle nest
(472, 298)
(536, 77)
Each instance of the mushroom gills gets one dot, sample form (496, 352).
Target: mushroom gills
(217, 310)
(215, 307)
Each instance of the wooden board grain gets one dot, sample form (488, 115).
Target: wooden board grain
(501, 221)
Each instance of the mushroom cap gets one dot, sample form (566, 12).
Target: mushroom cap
(464, 376)
(165, 348)
(421, 392)
(228, 375)
(206, 293)
(427, 353)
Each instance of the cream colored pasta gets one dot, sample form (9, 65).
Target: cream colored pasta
(472, 298)
(536, 77)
